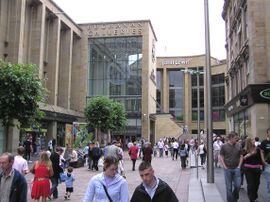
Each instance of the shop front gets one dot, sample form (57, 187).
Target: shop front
(249, 111)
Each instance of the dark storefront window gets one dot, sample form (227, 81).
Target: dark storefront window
(176, 94)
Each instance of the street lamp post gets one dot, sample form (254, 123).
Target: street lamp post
(197, 72)
(210, 165)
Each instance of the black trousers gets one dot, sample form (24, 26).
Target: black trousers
(253, 182)
(133, 163)
(183, 161)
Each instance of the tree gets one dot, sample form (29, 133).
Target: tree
(105, 115)
(20, 94)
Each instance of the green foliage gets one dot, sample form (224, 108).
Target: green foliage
(20, 93)
(105, 114)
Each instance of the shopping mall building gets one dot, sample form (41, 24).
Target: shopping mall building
(115, 59)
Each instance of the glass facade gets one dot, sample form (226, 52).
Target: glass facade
(194, 89)
(114, 70)
(242, 123)
(176, 94)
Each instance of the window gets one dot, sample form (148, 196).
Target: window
(176, 93)
(218, 97)
(194, 90)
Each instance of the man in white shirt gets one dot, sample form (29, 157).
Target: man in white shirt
(160, 146)
(175, 147)
(217, 147)
(20, 163)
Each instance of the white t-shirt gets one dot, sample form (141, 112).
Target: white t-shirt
(217, 145)
(175, 145)
(20, 164)
(160, 144)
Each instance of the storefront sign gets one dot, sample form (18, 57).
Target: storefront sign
(175, 62)
(117, 29)
(265, 93)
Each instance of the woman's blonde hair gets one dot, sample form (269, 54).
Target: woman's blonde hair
(249, 146)
(44, 158)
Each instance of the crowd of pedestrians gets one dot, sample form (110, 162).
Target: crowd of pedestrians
(241, 158)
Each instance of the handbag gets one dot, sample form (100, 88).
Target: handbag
(62, 177)
(105, 189)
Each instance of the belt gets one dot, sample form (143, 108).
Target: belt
(252, 166)
(41, 178)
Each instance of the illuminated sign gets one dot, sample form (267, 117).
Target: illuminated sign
(265, 93)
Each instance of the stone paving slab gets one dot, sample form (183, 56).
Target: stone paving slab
(165, 168)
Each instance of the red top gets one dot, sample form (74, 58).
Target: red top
(134, 151)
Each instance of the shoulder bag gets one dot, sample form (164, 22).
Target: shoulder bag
(105, 189)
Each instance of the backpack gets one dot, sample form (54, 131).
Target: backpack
(183, 153)
(96, 152)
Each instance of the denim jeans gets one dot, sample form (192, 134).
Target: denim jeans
(160, 152)
(267, 174)
(232, 176)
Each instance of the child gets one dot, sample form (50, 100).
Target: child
(69, 182)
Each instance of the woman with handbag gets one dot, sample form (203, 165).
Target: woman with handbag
(252, 168)
(108, 185)
(42, 170)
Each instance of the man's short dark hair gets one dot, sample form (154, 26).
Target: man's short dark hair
(20, 150)
(59, 149)
(232, 135)
(145, 165)
(257, 139)
(268, 129)
(70, 169)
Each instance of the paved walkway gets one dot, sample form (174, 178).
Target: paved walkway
(165, 168)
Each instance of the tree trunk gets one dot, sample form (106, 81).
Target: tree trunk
(108, 137)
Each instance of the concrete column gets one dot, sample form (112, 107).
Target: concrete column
(38, 37)
(16, 28)
(65, 68)
(52, 132)
(165, 91)
(53, 52)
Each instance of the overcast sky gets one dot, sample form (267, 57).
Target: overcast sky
(178, 24)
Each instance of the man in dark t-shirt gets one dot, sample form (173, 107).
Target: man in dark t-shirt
(231, 158)
(265, 155)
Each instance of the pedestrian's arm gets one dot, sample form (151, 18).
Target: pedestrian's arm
(240, 161)
(124, 192)
(50, 171)
(90, 192)
(262, 157)
(221, 158)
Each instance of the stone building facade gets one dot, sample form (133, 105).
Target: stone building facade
(248, 55)
(116, 59)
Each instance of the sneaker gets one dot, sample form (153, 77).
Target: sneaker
(242, 187)
(66, 197)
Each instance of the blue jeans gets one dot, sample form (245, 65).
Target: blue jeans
(160, 152)
(267, 174)
(232, 176)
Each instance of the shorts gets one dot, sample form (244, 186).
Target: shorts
(69, 189)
